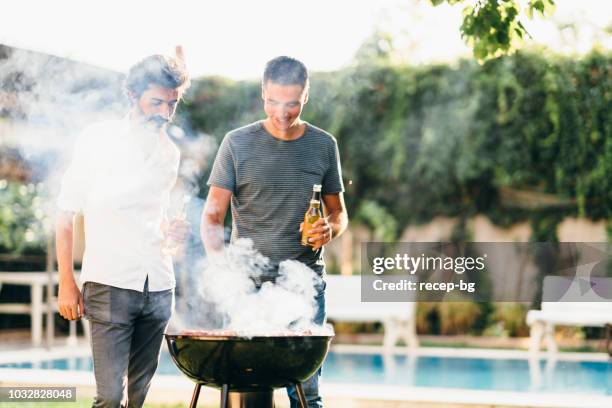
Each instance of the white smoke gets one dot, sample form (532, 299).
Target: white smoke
(228, 296)
(47, 99)
(44, 102)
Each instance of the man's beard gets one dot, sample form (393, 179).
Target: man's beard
(156, 121)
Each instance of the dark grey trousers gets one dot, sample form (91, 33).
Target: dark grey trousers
(127, 330)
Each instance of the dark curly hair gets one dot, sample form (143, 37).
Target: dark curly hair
(158, 70)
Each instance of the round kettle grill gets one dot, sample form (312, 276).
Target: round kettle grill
(247, 369)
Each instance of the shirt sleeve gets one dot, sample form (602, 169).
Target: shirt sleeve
(332, 180)
(73, 187)
(223, 173)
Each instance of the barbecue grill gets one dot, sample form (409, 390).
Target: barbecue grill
(247, 369)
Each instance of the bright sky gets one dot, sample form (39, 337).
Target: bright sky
(235, 38)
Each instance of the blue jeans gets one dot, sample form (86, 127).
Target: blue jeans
(311, 385)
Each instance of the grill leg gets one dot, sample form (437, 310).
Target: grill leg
(301, 395)
(195, 396)
(224, 396)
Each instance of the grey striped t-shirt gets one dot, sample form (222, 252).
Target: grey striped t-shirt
(271, 183)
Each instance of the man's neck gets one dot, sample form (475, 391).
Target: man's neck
(294, 132)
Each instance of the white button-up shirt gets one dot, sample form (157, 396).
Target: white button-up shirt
(121, 180)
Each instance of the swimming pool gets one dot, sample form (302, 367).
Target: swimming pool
(471, 373)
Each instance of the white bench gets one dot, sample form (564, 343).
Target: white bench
(343, 304)
(590, 311)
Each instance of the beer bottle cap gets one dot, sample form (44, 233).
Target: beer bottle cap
(316, 188)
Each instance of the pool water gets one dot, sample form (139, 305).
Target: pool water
(424, 371)
(472, 373)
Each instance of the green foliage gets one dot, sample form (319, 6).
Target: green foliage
(380, 222)
(458, 317)
(493, 27)
(219, 105)
(22, 217)
(453, 317)
(419, 142)
(449, 317)
(427, 318)
(511, 318)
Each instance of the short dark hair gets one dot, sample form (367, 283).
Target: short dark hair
(158, 70)
(285, 70)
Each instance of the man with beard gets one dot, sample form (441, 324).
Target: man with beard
(266, 171)
(120, 179)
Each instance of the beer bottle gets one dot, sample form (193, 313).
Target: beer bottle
(312, 215)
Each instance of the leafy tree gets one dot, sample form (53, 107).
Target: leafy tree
(493, 27)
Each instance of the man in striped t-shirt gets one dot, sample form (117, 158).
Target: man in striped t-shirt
(266, 170)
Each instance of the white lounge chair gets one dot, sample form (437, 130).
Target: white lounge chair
(586, 309)
(343, 304)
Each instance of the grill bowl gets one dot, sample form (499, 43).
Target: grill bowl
(248, 363)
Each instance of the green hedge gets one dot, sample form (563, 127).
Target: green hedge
(22, 218)
(418, 142)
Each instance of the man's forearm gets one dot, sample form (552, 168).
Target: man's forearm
(212, 234)
(63, 244)
(338, 221)
(212, 231)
